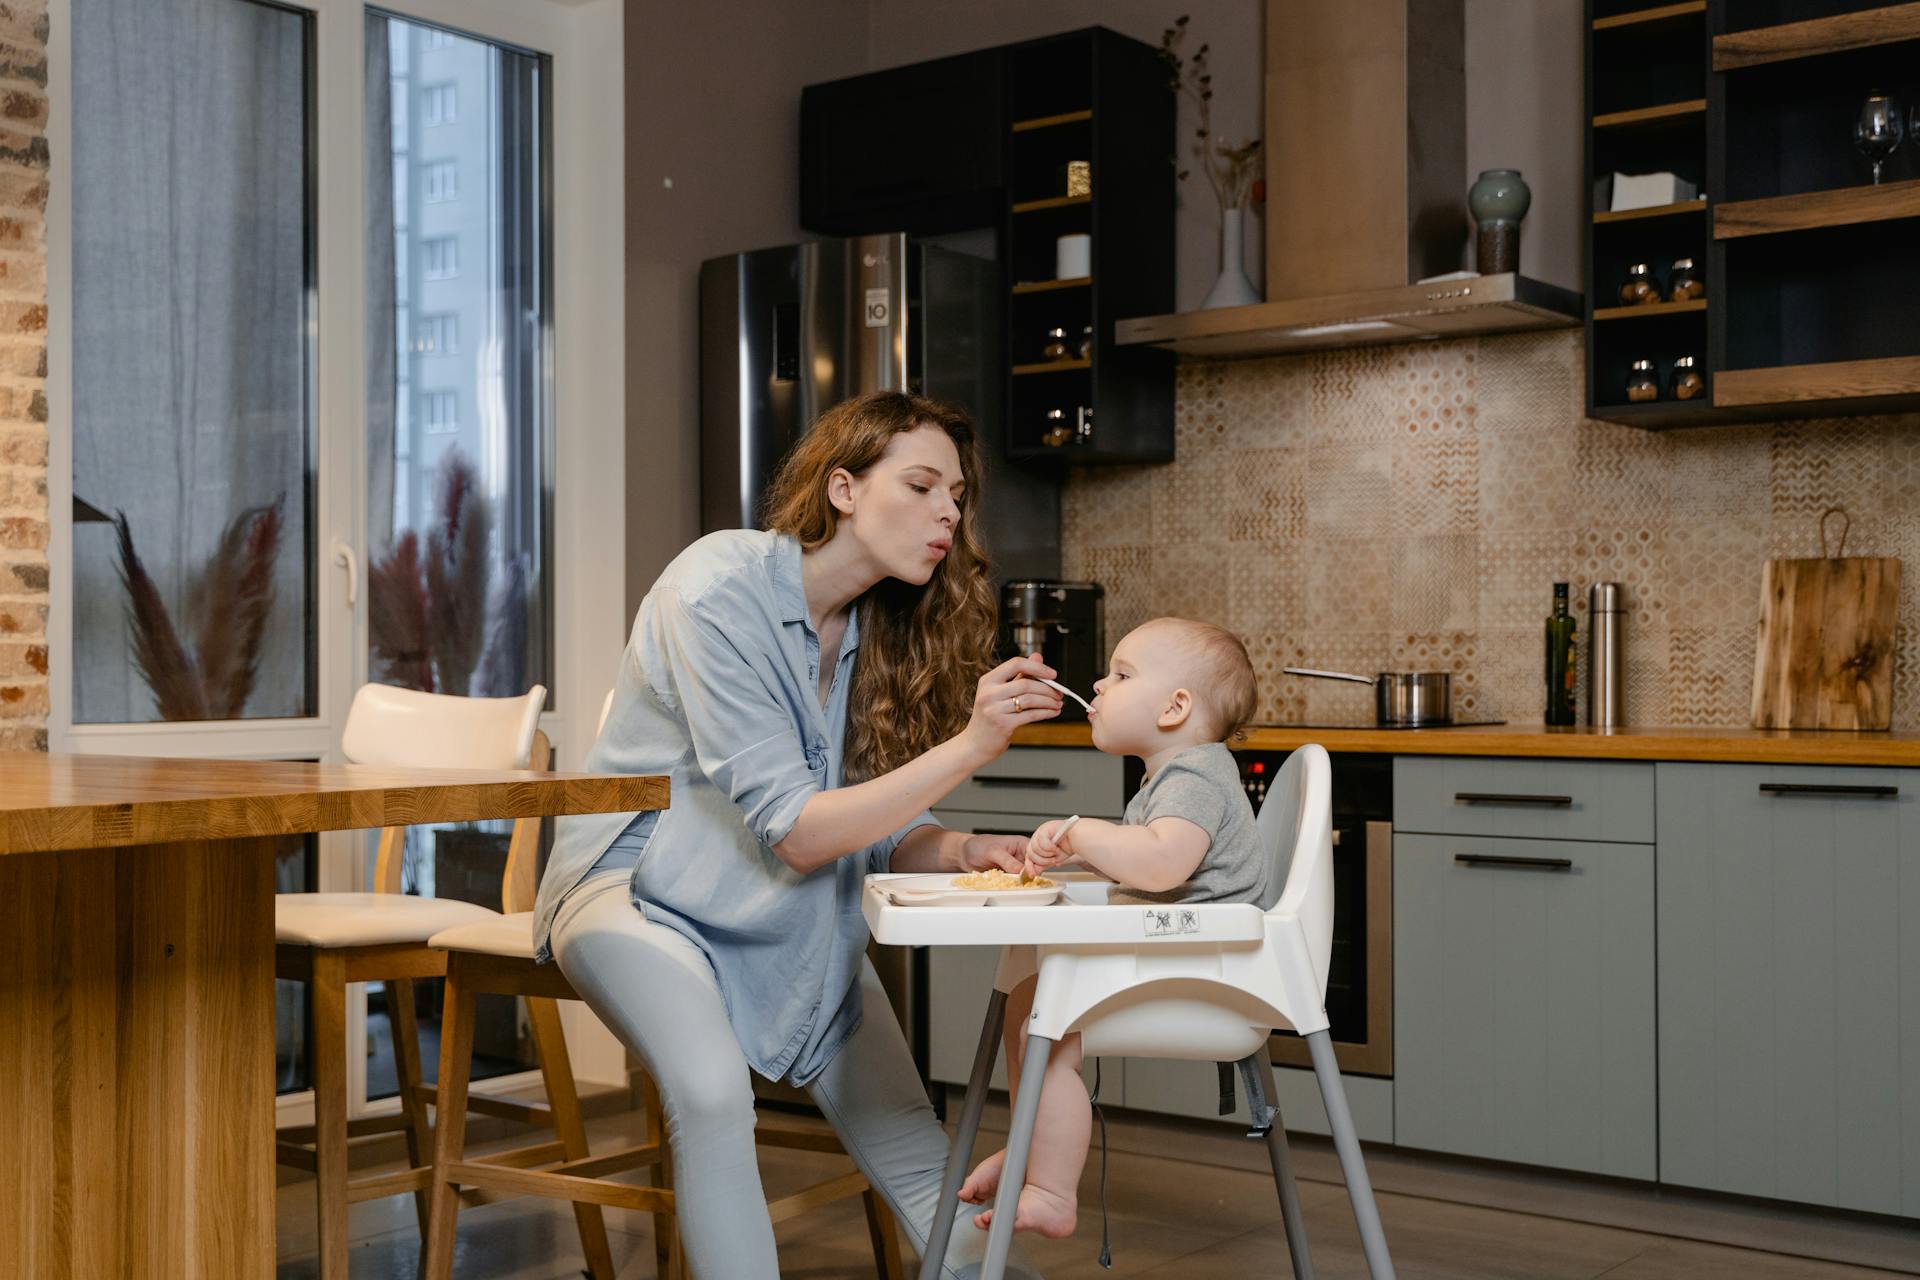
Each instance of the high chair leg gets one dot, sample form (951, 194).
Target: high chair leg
(949, 1205)
(1013, 1174)
(1373, 1239)
(1282, 1161)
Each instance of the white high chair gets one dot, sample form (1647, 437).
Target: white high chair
(1207, 982)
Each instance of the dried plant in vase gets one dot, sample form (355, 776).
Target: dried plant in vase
(436, 618)
(1232, 168)
(228, 605)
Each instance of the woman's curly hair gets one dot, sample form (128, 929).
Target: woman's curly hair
(922, 648)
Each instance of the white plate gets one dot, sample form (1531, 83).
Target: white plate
(938, 891)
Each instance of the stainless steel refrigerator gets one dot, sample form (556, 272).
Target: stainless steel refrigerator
(787, 333)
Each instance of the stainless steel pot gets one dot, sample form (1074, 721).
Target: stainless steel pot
(1406, 698)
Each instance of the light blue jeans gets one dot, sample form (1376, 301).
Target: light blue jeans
(656, 991)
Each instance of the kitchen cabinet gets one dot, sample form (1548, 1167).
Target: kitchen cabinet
(1789, 937)
(1548, 799)
(1524, 1001)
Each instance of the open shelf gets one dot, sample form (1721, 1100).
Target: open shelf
(1649, 310)
(1051, 202)
(1664, 415)
(1048, 286)
(1848, 206)
(1652, 211)
(1651, 115)
(1050, 366)
(1837, 380)
(1647, 17)
(1048, 122)
(1889, 24)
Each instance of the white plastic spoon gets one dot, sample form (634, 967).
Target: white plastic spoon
(1055, 684)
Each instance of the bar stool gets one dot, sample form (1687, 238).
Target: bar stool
(495, 957)
(328, 940)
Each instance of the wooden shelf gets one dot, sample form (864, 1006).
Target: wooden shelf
(1651, 211)
(1662, 415)
(1840, 380)
(1889, 24)
(1651, 115)
(1647, 310)
(1048, 286)
(1048, 122)
(1642, 17)
(1845, 207)
(1051, 202)
(1050, 366)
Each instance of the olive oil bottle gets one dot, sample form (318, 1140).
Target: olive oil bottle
(1560, 660)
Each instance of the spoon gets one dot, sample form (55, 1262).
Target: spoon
(1055, 684)
(1026, 872)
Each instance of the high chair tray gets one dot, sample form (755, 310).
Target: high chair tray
(1083, 917)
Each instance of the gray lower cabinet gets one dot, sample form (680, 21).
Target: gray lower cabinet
(1524, 1001)
(1789, 930)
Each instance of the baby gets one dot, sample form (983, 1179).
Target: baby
(1174, 692)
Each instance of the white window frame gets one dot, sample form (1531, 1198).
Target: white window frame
(436, 109)
(450, 267)
(437, 333)
(448, 171)
(585, 40)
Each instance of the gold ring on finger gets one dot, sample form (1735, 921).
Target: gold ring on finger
(1016, 705)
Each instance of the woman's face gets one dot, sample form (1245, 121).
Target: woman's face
(903, 510)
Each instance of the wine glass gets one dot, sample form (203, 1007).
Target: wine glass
(1877, 130)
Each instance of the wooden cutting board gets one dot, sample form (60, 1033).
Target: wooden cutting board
(1825, 654)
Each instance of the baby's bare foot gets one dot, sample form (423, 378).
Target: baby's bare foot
(1042, 1212)
(984, 1180)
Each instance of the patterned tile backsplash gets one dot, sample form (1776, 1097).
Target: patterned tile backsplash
(1394, 508)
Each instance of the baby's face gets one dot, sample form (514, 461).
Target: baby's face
(1145, 670)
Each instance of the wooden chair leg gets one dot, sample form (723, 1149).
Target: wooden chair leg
(664, 1230)
(328, 1066)
(406, 1057)
(450, 1109)
(886, 1241)
(564, 1100)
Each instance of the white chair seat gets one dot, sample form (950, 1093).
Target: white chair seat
(509, 935)
(366, 919)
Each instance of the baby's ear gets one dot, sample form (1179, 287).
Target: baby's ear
(1179, 707)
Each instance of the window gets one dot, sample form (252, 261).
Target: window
(438, 335)
(438, 104)
(438, 39)
(443, 181)
(443, 412)
(440, 257)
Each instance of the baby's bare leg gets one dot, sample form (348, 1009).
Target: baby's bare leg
(1050, 1202)
(985, 1178)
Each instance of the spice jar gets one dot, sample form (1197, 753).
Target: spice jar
(1056, 348)
(1685, 282)
(1642, 386)
(1058, 430)
(1086, 342)
(1639, 289)
(1687, 382)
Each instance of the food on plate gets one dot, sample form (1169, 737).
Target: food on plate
(995, 879)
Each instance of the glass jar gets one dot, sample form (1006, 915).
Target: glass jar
(1086, 342)
(1684, 283)
(1059, 430)
(1642, 385)
(1056, 348)
(1639, 289)
(1687, 382)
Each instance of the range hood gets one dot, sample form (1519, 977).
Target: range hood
(1366, 186)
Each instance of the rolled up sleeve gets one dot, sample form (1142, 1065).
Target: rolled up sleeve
(744, 735)
(880, 856)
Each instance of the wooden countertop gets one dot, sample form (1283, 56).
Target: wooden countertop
(51, 802)
(1755, 746)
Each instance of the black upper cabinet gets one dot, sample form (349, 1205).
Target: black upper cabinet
(920, 148)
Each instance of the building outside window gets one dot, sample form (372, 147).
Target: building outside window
(438, 335)
(442, 412)
(440, 257)
(440, 104)
(443, 181)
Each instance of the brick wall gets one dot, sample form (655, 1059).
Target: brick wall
(23, 372)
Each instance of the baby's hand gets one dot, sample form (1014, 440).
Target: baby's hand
(1047, 847)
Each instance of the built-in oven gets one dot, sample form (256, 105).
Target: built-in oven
(1360, 972)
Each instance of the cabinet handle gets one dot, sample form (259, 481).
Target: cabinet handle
(1498, 860)
(1003, 780)
(997, 831)
(1495, 797)
(1815, 789)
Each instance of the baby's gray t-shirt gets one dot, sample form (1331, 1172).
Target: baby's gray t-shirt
(1202, 785)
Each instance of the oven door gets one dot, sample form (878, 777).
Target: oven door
(1360, 973)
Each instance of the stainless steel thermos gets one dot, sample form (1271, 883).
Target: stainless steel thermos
(1606, 670)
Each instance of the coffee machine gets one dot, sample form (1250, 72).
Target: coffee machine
(1064, 622)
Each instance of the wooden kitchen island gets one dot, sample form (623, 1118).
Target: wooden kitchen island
(136, 989)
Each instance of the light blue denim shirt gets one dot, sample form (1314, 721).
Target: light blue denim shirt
(719, 690)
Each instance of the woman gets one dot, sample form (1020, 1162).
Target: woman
(811, 690)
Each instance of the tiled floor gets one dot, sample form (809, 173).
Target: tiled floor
(1170, 1218)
